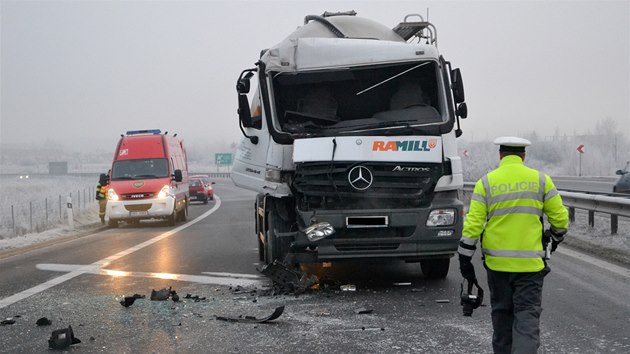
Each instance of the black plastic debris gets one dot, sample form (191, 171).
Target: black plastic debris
(241, 290)
(174, 296)
(251, 319)
(7, 321)
(196, 298)
(161, 295)
(62, 339)
(129, 300)
(363, 311)
(43, 322)
(287, 280)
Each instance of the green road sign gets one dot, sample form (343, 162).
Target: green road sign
(223, 159)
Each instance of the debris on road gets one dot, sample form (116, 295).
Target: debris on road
(43, 322)
(251, 319)
(403, 284)
(129, 300)
(197, 298)
(348, 287)
(7, 321)
(363, 311)
(62, 338)
(160, 295)
(442, 301)
(287, 280)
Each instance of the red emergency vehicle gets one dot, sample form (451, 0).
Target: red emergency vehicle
(149, 178)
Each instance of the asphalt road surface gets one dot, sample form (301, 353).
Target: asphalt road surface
(213, 256)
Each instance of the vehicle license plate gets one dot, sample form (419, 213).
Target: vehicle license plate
(138, 213)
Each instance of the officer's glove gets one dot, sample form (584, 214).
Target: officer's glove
(466, 268)
(556, 236)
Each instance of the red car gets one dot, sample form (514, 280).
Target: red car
(208, 184)
(197, 190)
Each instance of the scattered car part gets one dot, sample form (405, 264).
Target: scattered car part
(161, 295)
(195, 297)
(43, 322)
(129, 300)
(348, 287)
(62, 338)
(7, 321)
(250, 319)
(288, 280)
(363, 311)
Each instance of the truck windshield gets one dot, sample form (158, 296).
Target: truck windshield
(347, 99)
(139, 169)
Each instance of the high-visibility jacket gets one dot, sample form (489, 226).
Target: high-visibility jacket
(101, 191)
(506, 207)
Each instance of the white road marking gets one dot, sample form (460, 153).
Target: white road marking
(235, 275)
(232, 279)
(594, 261)
(103, 262)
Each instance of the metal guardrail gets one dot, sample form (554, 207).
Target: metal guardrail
(614, 206)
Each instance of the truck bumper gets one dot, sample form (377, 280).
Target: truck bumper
(140, 209)
(405, 236)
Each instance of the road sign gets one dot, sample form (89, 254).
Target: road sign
(224, 159)
(580, 149)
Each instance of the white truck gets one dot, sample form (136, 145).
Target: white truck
(350, 141)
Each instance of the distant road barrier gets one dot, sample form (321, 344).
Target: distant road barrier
(614, 206)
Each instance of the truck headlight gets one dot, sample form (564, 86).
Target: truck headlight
(441, 217)
(319, 231)
(111, 194)
(164, 192)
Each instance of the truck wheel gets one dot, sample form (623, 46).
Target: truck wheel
(112, 223)
(435, 268)
(276, 248)
(183, 213)
(171, 218)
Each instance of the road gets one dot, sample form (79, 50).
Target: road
(79, 283)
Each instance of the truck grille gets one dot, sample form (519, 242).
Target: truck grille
(393, 185)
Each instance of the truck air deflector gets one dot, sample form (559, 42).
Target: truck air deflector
(370, 148)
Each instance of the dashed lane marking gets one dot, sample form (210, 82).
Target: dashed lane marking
(99, 265)
(232, 279)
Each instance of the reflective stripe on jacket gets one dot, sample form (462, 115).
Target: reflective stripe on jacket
(506, 206)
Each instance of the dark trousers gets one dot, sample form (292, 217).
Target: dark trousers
(516, 306)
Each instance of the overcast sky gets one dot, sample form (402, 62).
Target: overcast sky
(87, 71)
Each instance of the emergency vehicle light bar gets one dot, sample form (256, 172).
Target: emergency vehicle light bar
(146, 131)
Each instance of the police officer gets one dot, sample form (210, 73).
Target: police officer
(101, 194)
(506, 210)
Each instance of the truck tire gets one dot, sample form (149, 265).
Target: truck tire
(435, 268)
(181, 216)
(112, 223)
(171, 218)
(276, 248)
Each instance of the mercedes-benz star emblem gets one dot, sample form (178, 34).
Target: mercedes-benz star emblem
(360, 178)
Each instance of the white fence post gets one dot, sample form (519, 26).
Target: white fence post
(70, 214)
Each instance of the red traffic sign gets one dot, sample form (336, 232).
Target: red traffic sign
(580, 149)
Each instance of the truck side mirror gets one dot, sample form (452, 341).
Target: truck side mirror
(242, 88)
(457, 86)
(178, 176)
(462, 110)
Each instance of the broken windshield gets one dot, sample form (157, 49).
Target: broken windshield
(344, 100)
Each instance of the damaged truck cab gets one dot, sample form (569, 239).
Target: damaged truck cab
(350, 141)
